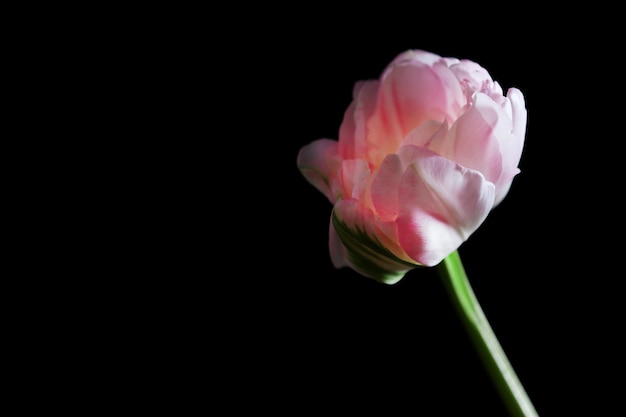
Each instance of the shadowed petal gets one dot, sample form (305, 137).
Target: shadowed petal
(318, 162)
(352, 180)
(385, 187)
(353, 130)
(337, 250)
(364, 251)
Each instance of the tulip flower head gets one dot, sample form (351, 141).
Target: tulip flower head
(424, 153)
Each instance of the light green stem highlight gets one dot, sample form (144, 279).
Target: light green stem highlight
(502, 374)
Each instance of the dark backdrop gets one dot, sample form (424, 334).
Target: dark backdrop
(262, 317)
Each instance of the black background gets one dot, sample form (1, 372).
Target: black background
(183, 261)
(257, 315)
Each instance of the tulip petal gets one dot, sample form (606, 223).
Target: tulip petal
(485, 139)
(519, 116)
(474, 139)
(318, 162)
(413, 92)
(511, 145)
(353, 130)
(385, 185)
(474, 77)
(352, 180)
(364, 252)
(337, 250)
(420, 55)
(441, 203)
(431, 134)
(415, 87)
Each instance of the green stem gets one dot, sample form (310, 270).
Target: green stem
(502, 374)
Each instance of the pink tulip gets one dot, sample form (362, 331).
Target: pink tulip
(424, 154)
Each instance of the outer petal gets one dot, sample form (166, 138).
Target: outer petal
(352, 181)
(474, 77)
(318, 162)
(519, 117)
(427, 133)
(337, 251)
(355, 226)
(479, 137)
(519, 114)
(386, 234)
(385, 186)
(487, 139)
(411, 92)
(513, 146)
(353, 129)
(441, 203)
(425, 57)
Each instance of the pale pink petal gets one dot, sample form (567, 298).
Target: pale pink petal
(419, 55)
(410, 94)
(385, 187)
(412, 153)
(352, 180)
(441, 204)
(474, 139)
(431, 135)
(427, 238)
(386, 183)
(510, 158)
(318, 161)
(504, 188)
(353, 130)
(511, 146)
(473, 77)
(519, 117)
(485, 139)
